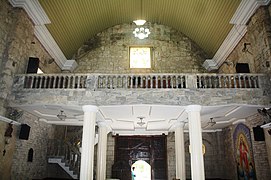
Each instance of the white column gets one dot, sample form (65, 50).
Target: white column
(179, 151)
(195, 136)
(87, 155)
(101, 157)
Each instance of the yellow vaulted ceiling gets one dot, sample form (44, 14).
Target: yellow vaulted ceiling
(74, 21)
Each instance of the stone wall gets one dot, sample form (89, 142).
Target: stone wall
(171, 160)
(17, 44)
(267, 133)
(108, 51)
(254, 48)
(258, 55)
(39, 134)
(7, 145)
(213, 157)
(110, 154)
(259, 149)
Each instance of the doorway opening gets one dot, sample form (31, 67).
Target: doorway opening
(141, 170)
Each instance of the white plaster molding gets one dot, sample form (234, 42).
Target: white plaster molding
(104, 124)
(33, 9)
(69, 65)
(228, 45)
(212, 130)
(239, 121)
(7, 120)
(210, 64)
(177, 124)
(193, 108)
(46, 39)
(244, 12)
(268, 125)
(246, 9)
(40, 18)
(90, 108)
(64, 123)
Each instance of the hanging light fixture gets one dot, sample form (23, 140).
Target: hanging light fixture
(141, 32)
(62, 116)
(141, 123)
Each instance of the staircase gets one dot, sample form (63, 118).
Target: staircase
(66, 155)
(61, 162)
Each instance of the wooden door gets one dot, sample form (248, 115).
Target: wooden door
(129, 149)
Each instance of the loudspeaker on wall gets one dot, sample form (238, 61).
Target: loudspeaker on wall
(258, 133)
(24, 132)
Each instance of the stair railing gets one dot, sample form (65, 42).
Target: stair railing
(68, 152)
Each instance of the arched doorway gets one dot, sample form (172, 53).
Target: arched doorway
(142, 170)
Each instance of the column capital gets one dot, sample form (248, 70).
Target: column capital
(90, 108)
(180, 124)
(101, 124)
(193, 108)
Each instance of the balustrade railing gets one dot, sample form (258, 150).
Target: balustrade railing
(59, 81)
(150, 81)
(70, 153)
(141, 81)
(227, 81)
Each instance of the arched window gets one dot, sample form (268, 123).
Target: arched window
(30, 155)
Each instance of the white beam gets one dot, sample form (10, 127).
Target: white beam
(244, 12)
(40, 18)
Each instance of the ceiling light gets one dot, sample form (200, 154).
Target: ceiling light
(141, 123)
(141, 33)
(139, 22)
(62, 116)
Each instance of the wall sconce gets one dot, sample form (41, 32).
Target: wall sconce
(7, 135)
(9, 130)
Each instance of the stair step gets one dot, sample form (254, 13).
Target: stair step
(63, 165)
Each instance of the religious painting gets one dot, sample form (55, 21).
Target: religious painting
(243, 153)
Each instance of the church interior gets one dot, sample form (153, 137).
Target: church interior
(135, 89)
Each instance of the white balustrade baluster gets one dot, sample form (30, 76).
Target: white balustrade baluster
(125, 81)
(210, 81)
(219, 81)
(78, 81)
(205, 81)
(108, 79)
(36, 82)
(249, 81)
(32, 82)
(73, 82)
(131, 81)
(230, 82)
(68, 80)
(200, 81)
(136, 81)
(167, 79)
(54, 81)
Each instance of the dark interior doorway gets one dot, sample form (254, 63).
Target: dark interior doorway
(129, 149)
